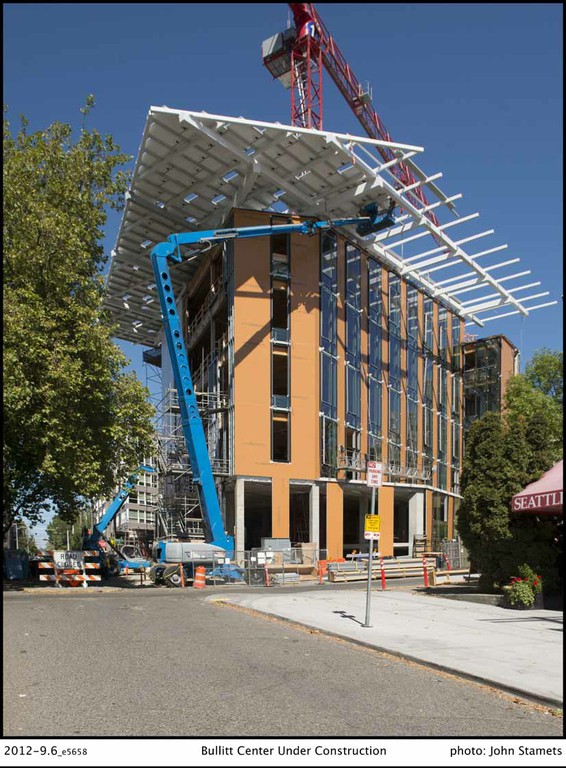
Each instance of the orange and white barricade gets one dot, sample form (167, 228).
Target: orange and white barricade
(70, 568)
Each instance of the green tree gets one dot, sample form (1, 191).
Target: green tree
(58, 529)
(487, 479)
(505, 452)
(543, 419)
(545, 373)
(74, 422)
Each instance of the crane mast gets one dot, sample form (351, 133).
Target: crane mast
(297, 58)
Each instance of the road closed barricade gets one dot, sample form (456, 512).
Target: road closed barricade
(71, 568)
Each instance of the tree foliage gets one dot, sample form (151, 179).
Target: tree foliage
(58, 530)
(545, 373)
(74, 421)
(504, 453)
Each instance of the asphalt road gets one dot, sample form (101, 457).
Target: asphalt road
(170, 663)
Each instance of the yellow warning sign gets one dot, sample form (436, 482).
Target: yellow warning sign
(372, 524)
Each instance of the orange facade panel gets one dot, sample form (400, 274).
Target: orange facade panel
(294, 360)
(253, 357)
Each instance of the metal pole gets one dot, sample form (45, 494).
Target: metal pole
(16, 535)
(68, 547)
(368, 592)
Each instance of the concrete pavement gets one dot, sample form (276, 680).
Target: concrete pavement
(518, 651)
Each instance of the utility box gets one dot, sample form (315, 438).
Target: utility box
(16, 564)
(277, 545)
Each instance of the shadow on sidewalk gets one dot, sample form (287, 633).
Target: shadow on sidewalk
(350, 616)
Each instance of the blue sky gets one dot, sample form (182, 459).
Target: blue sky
(478, 85)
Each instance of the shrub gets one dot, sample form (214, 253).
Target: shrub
(527, 574)
(521, 593)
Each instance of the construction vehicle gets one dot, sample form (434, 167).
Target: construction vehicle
(113, 560)
(171, 554)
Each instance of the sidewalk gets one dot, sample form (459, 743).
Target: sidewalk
(519, 651)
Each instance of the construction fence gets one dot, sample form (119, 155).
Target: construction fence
(267, 568)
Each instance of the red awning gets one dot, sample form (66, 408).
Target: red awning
(544, 496)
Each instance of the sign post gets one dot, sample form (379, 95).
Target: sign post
(372, 527)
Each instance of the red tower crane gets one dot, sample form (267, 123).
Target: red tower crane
(296, 57)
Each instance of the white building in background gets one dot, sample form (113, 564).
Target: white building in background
(135, 522)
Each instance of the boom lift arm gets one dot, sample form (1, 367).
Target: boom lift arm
(373, 220)
(91, 540)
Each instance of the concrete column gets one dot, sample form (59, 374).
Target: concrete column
(416, 517)
(334, 520)
(280, 522)
(363, 511)
(239, 515)
(314, 514)
(428, 506)
(385, 499)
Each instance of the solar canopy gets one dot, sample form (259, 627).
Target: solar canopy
(193, 168)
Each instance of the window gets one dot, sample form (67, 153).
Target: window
(455, 440)
(427, 433)
(394, 414)
(456, 345)
(443, 333)
(328, 355)
(456, 398)
(375, 372)
(374, 448)
(374, 405)
(280, 349)
(442, 390)
(428, 316)
(327, 317)
(394, 304)
(280, 304)
(328, 446)
(353, 336)
(328, 383)
(353, 395)
(280, 436)
(412, 315)
(280, 255)
(280, 377)
(328, 267)
(412, 433)
(394, 360)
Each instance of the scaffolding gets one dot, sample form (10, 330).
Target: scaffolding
(178, 513)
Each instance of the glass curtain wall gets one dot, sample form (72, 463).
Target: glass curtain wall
(375, 361)
(456, 403)
(442, 457)
(353, 359)
(328, 354)
(412, 381)
(428, 365)
(394, 432)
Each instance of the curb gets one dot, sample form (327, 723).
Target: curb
(48, 591)
(535, 698)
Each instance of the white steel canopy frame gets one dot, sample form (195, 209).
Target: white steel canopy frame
(193, 168)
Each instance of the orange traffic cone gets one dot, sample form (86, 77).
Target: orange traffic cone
(199, 580)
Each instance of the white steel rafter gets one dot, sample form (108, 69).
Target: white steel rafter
(193, 168)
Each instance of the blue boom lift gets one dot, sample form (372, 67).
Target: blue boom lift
(118, 560)
(371, 219)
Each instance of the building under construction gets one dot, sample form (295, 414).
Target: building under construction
(309, 355)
